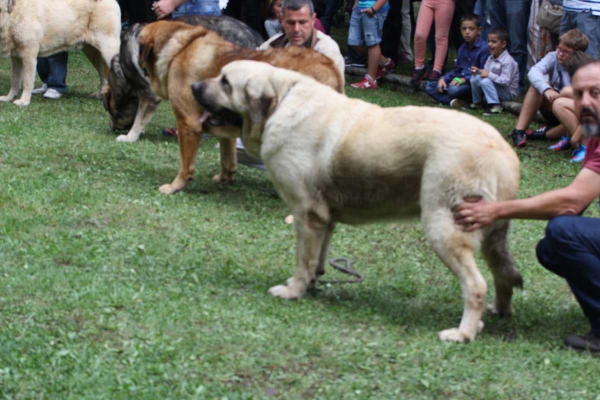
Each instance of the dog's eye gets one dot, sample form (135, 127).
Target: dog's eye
(225, 81)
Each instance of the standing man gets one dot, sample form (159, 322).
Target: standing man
(571, 247)
(585, 16)
(53, 73)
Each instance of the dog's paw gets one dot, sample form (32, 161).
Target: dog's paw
(223, 178)
(21, 103)
(167, 189)
(126, 139)
(457, 335)
(284, 292)
(5, 99)
(289, 219)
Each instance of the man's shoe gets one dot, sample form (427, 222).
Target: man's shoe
(518, 138)
(563, 144)
(588, 342)
(472, 107)
(349, 62)
(366, 83)
(41, 90)
(382, 70)
(457, 103)
(417, 77)
(578, 154)
(493, 110)
(434, 76)
(52, 94)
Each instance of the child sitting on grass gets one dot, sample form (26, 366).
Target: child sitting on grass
(454, 86)
(366, 26)
(499, 79)
(547, 78)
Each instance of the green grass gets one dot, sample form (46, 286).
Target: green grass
(110, 290)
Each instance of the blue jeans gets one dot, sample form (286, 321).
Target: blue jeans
(512, 15)
(453, 92)
(365, 30)
(197, 7)
(571, 249)
(493, 92)
(53, 71)
(587, 24)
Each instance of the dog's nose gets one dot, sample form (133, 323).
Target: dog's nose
(197, 87)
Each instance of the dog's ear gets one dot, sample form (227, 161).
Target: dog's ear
(146, 56)
(261, 98)
(11, 5)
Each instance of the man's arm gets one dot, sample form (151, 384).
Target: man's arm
(570, 200)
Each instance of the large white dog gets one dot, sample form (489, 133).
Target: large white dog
(32, 28)
(335, 159)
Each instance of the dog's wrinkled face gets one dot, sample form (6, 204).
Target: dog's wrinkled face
(243, 88)
(120, 100)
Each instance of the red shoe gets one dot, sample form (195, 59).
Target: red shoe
(382, 70)
(366, 83)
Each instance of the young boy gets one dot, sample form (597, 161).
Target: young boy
(499, 79)
(543, 91)
(365, 30)
(455, 84)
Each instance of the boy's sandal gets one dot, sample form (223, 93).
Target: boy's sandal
(172, 132)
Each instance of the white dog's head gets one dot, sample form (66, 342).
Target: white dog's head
(248, 88)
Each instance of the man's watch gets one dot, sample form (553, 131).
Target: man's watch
(373, 10)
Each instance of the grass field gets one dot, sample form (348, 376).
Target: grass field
(110, 290)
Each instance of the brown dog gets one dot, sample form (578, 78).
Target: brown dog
(175, 55)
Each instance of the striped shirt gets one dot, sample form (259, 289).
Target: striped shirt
(582, 5)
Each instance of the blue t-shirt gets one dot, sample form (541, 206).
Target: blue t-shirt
(363, 4)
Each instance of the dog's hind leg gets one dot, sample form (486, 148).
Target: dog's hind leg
(504, 270)
(95, 58)
(325, 250)
(313, 233)
(228, 161)
(16, 79)
(456, 249)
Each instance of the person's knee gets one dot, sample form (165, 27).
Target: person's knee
(487, 82)
(431, 88)
(560, 229)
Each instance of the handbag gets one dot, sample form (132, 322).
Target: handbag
(549, 16)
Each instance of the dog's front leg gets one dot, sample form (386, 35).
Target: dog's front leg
(29, 64)
(189, 140)
(16, 78)
(310, 243)
(146, 108)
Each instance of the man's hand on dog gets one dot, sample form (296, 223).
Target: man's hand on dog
(474, 213)
(162, 8)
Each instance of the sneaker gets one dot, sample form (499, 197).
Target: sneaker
(518, 138)
(382, 70)
(457, 103)
(417, 77)
(247, 159)
(434, 76)
(563, 144)
(538, 134)
(41, 90)
(578, 154)
(472, 107)
(52, 94)
(366, 83)
(493, 110)
(588, 342)
(349, 62)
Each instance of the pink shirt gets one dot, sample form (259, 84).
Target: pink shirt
(592, 155)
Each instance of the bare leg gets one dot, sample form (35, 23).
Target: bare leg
(531, 105)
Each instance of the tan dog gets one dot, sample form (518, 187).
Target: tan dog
(37, 28)
(175, 54)
(334, 159)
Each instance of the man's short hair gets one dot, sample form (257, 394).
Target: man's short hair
(578, 60)
(471, 18)
(501, 34)
(295, 5)
(574, 39)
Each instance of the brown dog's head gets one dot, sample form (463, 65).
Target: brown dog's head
(249, 88)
